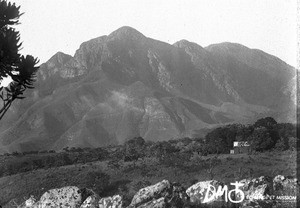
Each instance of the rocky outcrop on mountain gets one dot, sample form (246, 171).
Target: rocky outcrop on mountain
(258, 192)
(125, 85)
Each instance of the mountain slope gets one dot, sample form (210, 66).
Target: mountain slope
(124, 85)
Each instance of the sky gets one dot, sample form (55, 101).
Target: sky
(49, 26)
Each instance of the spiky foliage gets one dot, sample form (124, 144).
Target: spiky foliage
(19, 68)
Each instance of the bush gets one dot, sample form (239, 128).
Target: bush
(93, 179)
(261, 140)
(267, 122)
(282, 144)
(134, 149)
(176, 159)
(292, 143)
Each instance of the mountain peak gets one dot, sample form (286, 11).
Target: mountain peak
(59, 58)
(185, 43)
(182, 41)
(227, 46)
(127, 32)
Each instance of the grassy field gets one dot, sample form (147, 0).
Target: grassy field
(126, 178)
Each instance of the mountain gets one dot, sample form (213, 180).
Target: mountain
(125, 85)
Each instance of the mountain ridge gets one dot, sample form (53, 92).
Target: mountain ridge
(125, 84)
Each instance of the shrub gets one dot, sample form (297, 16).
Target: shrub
(292, 143)
(267, 122)
(93, 179)
(134, 149)
(282, 144)
(261, 140)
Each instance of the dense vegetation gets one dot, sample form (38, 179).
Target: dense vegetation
(265, 134)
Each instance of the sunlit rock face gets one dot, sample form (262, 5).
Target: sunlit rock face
(68, 196)
(125, 84)
(256, 188)
(161, 194)
(156, 203)
(198, 192)
(63, 197)
(149, 193)
(90, 202)
(111, 202)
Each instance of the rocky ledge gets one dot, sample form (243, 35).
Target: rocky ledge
(279, 191)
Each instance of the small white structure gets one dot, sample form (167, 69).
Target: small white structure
(241, 144)
(240, 147)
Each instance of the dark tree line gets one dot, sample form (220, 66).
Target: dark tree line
(265, 134)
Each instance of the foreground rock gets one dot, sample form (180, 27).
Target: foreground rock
(257, 188)
(29, 202)
(155, 203)
(63, 197)
(258, 192)
(149, 193)
(267, 192)
(162, 194)
(90, 202)
(69, 196)
(284, 184)
(111, 202)
(198, 191)
(207, 192)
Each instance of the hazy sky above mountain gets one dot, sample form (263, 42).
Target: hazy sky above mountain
(49, 26)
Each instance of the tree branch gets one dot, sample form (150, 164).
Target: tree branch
(5, 108)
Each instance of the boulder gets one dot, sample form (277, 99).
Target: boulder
(91, 201)
(257, 188)
(162, 194)
(156, 203)
(257, 193)
(198, 191)
(176, 196)
(286, 190)
(111, 202)
(150, 193)
(68, 196)
(29, 203)
(285, 184)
